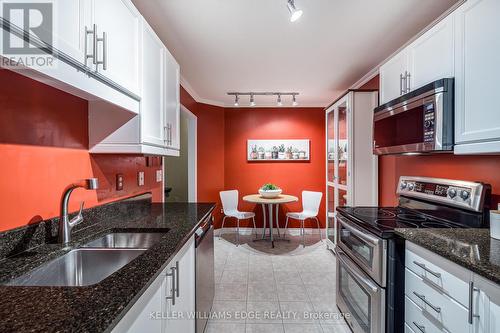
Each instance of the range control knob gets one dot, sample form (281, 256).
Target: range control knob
(464, 194)
(404, 185)
(452, 193)
(428, 123)
(411, 186)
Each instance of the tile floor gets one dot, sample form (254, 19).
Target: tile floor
(260, 289)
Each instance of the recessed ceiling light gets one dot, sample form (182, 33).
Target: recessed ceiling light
(295, 13)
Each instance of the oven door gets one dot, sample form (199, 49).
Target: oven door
(359, 298)
(368, 251)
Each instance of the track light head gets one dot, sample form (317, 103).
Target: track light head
(252, 100)
(294, 102)
(295, 13)
(236, 100)
(280, 103)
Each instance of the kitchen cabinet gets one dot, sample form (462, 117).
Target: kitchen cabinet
(429, 58)
(351, 166)
(486, 306)
(477, 45)
(155, 131)
(169, 303)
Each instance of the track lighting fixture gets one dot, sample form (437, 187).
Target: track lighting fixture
(252, 100)
(295, 13)
(252, 95)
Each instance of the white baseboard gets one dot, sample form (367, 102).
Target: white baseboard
(289, 231)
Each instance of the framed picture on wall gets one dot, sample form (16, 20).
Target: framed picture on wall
(278, 150)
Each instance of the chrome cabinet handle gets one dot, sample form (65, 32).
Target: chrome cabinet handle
(401, 78)
(436, 274)
(422, 298)
(471, 314)
(87, 33)
(407, 81)
(165, 134)
(104, 41)
(172, 274)
(421, 328)
(177, 278)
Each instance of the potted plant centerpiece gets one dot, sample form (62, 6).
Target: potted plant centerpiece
(269, 191)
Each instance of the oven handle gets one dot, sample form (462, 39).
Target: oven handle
(358, 276)
(357, 232)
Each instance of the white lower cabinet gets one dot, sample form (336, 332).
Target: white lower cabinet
(441, 296)
(168, 305)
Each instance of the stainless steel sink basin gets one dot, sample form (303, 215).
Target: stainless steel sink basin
(129, 240)
(81, 267)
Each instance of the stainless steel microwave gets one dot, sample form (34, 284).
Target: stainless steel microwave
(418, 122)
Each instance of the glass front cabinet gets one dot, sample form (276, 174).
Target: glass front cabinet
(351, 167)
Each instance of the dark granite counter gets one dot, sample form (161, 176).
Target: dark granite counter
(99, 307)
(470, 248)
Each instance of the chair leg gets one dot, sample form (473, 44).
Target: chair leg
(254, 227)
(303, 233)
(238, 232)
(286, 226)
(222, 228)
(319, 229)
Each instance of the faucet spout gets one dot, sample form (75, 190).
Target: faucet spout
(65, 224)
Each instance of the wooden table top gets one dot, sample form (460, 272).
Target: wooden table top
(258, 199)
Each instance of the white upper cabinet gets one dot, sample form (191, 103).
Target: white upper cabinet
(431, 56)
(427, 59)
(477, 69)
(118, 28)
(172, 121)
(391, 77)
(153, 103)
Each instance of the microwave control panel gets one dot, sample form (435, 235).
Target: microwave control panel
(429, 123)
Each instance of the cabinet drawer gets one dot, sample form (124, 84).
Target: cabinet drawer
(415, 319)
(438, 272)
(445, 311)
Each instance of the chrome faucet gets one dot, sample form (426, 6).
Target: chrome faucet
(65, 224)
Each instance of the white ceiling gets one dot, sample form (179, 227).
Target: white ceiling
(250, 45)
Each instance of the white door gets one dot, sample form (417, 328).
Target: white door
(73, 17)
(121, 23)
(432, 55)
(173, 102)
(390, 77)
(477, 42)
(153, 88)
(185, 297)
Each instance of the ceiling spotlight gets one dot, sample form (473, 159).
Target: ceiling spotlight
(236, 100)
(252, 100)
(294, 101)
(295, 13)
(279, 100)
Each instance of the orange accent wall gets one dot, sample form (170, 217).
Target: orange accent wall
(243, 124)
(43, 148)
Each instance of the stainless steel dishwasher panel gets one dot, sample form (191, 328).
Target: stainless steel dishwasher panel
(205, 281)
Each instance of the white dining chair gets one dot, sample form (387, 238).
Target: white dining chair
(310, 208)
(229, 201)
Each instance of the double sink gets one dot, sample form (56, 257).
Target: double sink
(92, 262)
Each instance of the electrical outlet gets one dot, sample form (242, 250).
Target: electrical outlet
(140, 178)
(159, 176)
(119, 182)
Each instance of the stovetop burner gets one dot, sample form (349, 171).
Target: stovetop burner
(411, 217)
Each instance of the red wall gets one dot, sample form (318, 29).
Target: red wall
(243, 124)
(43, 148)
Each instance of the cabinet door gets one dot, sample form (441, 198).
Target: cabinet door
(180, 318)
(173, 102)
(153, 88)
(486, 306)
(390, 82)
(477, 42)
(432, 55)
(121, 22)
(73, 17)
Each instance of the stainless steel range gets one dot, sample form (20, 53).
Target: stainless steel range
(370, 257)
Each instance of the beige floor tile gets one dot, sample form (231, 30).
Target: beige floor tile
(303, 328)
(292, 292)
(262, 291)
(284, 277)
(264, 328)
(261, 275)
(263, 312)
(339, 328)
(321, 293)
(297, 312)
(314, 277)
(221, 327)
(234, 276)
(229, 312)
(231, 291)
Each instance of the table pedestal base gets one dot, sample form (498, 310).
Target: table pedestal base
(271, 225)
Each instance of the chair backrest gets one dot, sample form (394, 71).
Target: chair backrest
(229, 201)
(311, 201)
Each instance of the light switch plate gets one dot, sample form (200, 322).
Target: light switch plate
(159, 176)
(140, 178)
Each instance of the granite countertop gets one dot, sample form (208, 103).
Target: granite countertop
(473, 249)
(99, 307)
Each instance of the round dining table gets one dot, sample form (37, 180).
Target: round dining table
(271, 203)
